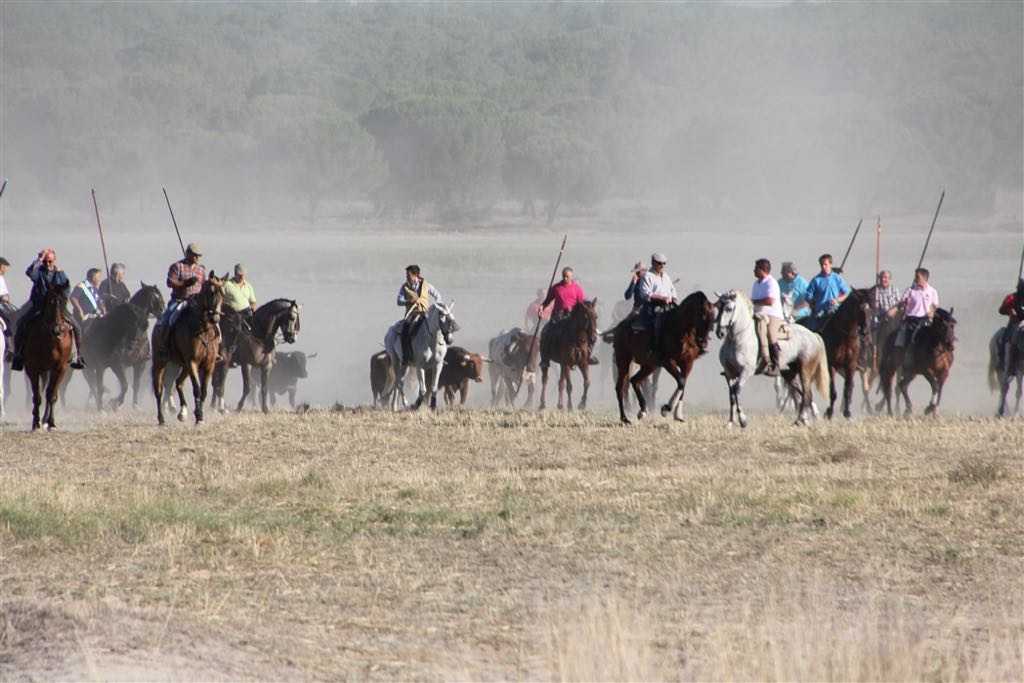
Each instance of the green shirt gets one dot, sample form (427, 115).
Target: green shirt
(239, 296)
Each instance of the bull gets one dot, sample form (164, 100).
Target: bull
(460, 366)
(514, 355)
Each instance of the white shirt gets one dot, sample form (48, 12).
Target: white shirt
(765, 289)
(657, 285)
(3, 286)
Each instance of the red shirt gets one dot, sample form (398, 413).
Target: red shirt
(181, 271)
(565, 296)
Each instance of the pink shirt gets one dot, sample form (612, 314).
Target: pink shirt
(920, 301)
(565, 296)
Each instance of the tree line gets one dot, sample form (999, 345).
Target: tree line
(447, 108)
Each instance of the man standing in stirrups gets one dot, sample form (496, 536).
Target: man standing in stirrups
(414, 295)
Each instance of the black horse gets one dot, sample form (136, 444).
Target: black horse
(843, 333)
(250, 342)
(119, 340)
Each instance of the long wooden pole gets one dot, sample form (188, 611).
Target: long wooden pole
(173, 220)
(854, 239)
(924, 251)
(536, 329)
(103, 243)
(878, 247)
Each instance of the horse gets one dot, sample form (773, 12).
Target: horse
(251, 344)
(3, 353)
(429, 345)
(48, 351)
(684, 336)
(119, 340)
(802, 356)
(1002, 371)
(194, 344)
(514, 356)
(570, 340)
(842, 333)
(928, 353)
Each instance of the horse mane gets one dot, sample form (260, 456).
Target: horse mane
(691, 314)
(273, 303)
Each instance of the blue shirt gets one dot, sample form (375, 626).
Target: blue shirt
(633, 292)
(43, 278)
(796, 288)
(822, 289)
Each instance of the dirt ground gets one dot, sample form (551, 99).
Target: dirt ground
(360, 545)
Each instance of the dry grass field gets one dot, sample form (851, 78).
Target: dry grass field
(497, 545)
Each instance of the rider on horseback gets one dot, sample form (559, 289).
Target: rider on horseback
(185, 278)
(658, 294)
(770, 326)
(1013, 308)
(45, 274)
(633, 290)
(919, 303)
(86, 303)
(565, 295)
(414, 294)
(825, 292)
(6, 309)
(793, 285)
(113, 291)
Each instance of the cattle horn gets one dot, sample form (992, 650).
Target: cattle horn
(313, 355)
(488, 360)
(717, 295)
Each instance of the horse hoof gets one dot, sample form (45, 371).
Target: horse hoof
(680, 418)
(743, 423)
(730, 424)
(641, 415)
(665, 410)
(625, 420)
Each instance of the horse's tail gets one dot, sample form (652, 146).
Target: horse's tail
(993, 369)
(821, 367)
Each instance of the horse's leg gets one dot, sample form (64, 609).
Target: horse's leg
(52, 392)
(1020, 394)
(198, 390)
(33, 379)
(675, 402)
(806, 384)
(122, 378)
(561, 386)
(831, 391)
(543, 387)
(585, 369)
(936, 387)
(637, 382)
(904, 382)
(264, 386)
(621, 389)
(244, 369)
(421, 386)
(157, 377)
(137, 371)
(435, 381)
(848, 382)
(205, 372)
(179, 382)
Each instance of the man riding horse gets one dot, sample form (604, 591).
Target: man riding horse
(7, 310)
(565, 295)
(769, 323)
(919, 302)
(185, 279)
(1013, 308)
(414, 295)
(658, 294)
(45, 275)
(825, 292)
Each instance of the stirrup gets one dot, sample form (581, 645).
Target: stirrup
(78, 364)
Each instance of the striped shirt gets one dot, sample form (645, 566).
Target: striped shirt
(181, 271)
(886, 298)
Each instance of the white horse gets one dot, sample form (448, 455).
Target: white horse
(801, 357)
(429, 345)
(1000, 377)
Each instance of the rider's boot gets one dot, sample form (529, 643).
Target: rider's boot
(79, 362)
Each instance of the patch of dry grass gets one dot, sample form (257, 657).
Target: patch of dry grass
(503, 545)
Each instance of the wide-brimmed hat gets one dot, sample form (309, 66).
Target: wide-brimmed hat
(658, 257)
(193, 248)
(638, 266)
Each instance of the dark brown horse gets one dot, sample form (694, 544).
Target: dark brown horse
(570, 343)
(684, 338)
(194, 344)
(118, 341)
(929, 353)
(251, 343)
(48, 352)
(843, 333)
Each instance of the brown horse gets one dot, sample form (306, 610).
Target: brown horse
(570, 343)
(870, 352)
(929, 353)
(194, 344)
(684, 338)
(843, 334)
(48, 351)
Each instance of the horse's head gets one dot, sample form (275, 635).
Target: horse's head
(290, 322)
(56, 302)
(725, 312)
(211, 298)
(149, 299)
(584, 316)
(446, 321)
(945, 325)
(861, 298)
